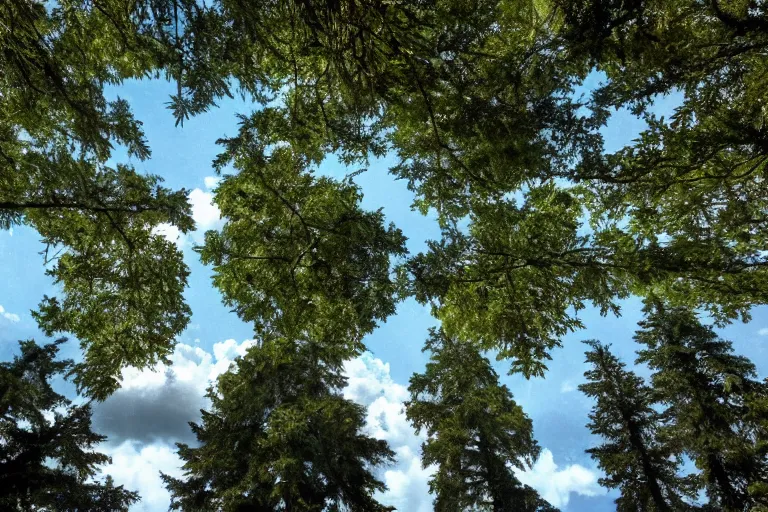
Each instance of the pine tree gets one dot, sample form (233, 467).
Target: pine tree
(47, 460)
(635, 459)
(707, 390)
(279, 436)
(477, 434)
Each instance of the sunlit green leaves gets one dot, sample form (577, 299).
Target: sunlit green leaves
(516, 278)
(297, 254)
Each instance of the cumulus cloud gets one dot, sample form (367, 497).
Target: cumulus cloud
(138, 469)
(763, 331)
(152, 409)
(211, 182)
(204, 212)
(11, 317)
(567, 386)
(157, 404)
(556, 485)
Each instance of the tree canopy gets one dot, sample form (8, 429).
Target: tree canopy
(483, 104)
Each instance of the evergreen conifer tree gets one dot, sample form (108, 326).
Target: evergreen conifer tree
(707, 390)
(477, 434)
(47, 460)
(635, 459)
(279, 436)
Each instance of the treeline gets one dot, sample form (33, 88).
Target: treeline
(478, 102)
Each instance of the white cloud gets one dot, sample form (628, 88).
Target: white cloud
(204, 212)
(763, 331)
(556, 485)
(188, 364)
(211, 182)
(138, 469)
(567, 386)
(11, 317)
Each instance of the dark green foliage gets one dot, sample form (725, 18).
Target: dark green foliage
(279, 436)
(636, 459)
(708, 391)
(122, 285)
(297, 254)
(517, 277)
(47, 460)
(477, 434)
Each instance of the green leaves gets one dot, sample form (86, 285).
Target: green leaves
(515, 278)
(476, 433)
(122, 285)
(298, 255)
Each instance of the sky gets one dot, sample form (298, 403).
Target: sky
(149, 414)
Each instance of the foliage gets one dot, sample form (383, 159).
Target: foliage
(279, 436)
(47, 460)
(477, 435)
(298, 255)
(635, 458)
(708, 391)
(121, 283)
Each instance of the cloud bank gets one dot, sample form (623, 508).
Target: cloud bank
(151, 410)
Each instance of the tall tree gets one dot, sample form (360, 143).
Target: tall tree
(121, 283)
(47, 460)
(279, 436)
(707, 390)
(634, 457)
(477, 434)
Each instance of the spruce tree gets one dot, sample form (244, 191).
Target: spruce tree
(707, 390)
(635, 459)
(47, 460)
(477, 434)
(280, 436)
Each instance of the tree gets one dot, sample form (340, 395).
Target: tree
(47, 460)
(635, 458)
(297, 254)
(477, 434)
(476, 113)
(279, 436)
(121, 282)
(707, 390)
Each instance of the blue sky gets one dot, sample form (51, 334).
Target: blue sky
(150, 412)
